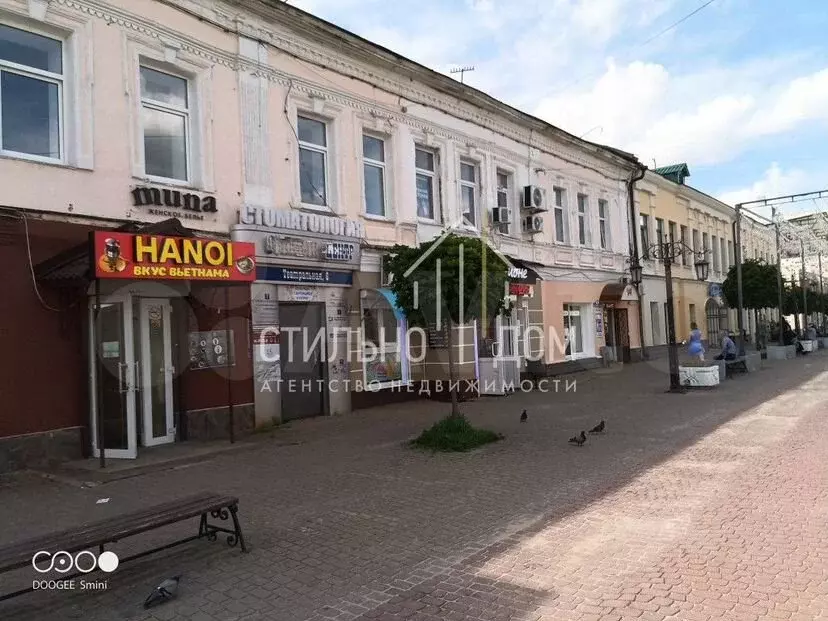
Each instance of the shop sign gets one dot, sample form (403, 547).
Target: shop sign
(521, 274)
(311, 249)
(305, 276)
(518, 273)
(599, 325)
(519, 289)
(714, 290)
(158, 257)
(295, 220)
(173, 203)
(303, 295)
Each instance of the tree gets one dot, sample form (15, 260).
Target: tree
(471, 286)
(760, 288)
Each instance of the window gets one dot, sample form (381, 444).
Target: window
(165, 118)
(660, 230)
(31, 94)
(560, 220)
(730, 258)
(504, 187)
(603, 224)
(313, 160)
(424, 162)
(469, 191)
(573, 330)
(644, 226)
(373, 170)
(696, 245)
(716, 266)
(671, 230)
(683, 240)
(656, 323)
(583, 220)
(383, 358)
(725, 263)
(692, 310)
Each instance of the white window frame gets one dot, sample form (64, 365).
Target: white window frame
(60, 80)
(383, 166)
(561, 236)
(435, 182)
(326, 154)
(714, 247)
(476, 192)
(582, 202)
(169, 109)
(683, 240)
(605, 240)
(585, 312)
(644, 234)
(508, 192)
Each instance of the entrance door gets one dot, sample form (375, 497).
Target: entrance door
(302, 356)
(156, 372)
(622, 334)
(112, 381)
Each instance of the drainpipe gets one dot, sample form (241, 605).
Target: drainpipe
(637, 175)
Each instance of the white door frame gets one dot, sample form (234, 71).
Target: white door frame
(147, 438)
(127, 377)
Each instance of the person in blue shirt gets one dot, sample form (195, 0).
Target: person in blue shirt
(695, 348)
(729, 350)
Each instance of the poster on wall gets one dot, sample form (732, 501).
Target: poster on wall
(266, 355)
(599, 325)
(387, 369)
(209, 350)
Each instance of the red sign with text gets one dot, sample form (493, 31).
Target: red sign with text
(158, 257)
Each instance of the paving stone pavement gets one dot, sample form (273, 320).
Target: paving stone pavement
(707, 505)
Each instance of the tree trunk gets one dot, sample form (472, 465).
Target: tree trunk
(756, 326)
(455, 408)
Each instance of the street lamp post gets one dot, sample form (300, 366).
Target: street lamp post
(667, 253)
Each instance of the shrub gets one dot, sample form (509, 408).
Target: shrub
(454, 433)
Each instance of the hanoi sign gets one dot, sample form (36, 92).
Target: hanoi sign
(157, 257)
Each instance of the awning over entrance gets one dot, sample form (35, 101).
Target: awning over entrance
(73, 267)
(618, 292)
(391, 298)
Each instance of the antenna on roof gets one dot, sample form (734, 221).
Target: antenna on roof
(462, 70)
(654, 163)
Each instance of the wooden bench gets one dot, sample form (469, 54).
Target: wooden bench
(98, 534)
(739, 364)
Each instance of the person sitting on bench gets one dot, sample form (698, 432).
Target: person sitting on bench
(729, 350)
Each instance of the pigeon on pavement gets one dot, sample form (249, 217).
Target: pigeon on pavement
(524, 416)
(599, 428)
(163, 592)
(578, 440)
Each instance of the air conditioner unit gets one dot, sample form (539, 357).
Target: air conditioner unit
(501, 215)
(534, 198)
(532, 224)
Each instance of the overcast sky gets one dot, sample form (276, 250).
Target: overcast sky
(738, 91)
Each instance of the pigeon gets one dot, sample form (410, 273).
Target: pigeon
(163, 592)
(524, 416)
(578, 440)
(599, 428)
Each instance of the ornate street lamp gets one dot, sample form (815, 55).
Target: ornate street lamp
(667, 253)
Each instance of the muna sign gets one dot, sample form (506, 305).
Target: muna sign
(163, 202)
(294, 220)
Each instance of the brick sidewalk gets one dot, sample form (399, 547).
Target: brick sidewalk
(690, 505)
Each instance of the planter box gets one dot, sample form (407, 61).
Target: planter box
(823, 342)
(699, 376)
(808, 345)
(753, 361)
(779, 352)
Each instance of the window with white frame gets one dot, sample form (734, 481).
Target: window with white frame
(384, 360)
(504, 188)
(560, 219)
(603, 223)
(31, 94)
(697, 249)
(573, 321)
(313, 160)
(725, 261)
(165, 119)
(644, 227)
(469, 191)
(715, 248)
(373, 166)
(583, 220)
(425, 163)
(683, 240)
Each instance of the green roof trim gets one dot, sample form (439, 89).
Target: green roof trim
(674, 172)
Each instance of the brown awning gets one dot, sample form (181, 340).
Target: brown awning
(71, 268)
(617, 292)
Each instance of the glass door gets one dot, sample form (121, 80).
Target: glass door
(111, 379)
(156, 372)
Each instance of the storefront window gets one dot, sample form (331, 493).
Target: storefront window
(382, 351)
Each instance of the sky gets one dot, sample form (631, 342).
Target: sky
(738, 90)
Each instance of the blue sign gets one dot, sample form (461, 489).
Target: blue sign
(304, 276)
(714, 290)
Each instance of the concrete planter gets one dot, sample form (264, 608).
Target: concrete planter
(699, 376)
(779, 352)
(823, 342)
(753, 361)
(809, 345)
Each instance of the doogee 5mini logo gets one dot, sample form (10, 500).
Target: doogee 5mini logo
(74, 564)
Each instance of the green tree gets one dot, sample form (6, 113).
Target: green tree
(760, 288)
(471, 285)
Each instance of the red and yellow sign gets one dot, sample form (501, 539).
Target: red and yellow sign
(157, 257)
